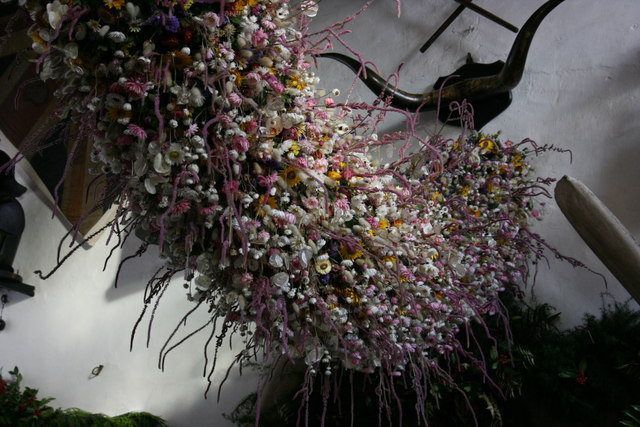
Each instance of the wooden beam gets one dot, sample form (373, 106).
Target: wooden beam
(13, 282)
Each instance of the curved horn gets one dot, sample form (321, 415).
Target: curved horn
(473, 87)
(514, 65)
(378, 85)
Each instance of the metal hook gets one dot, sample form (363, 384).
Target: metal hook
(463, 5)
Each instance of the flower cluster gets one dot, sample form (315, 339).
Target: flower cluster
(266, 196)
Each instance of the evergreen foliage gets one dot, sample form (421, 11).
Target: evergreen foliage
(20, 408)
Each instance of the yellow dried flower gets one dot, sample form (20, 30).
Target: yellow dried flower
(390, 259)
(291, 176)
(351, 254)
(114, 4)
(487, 144)
(271, 202)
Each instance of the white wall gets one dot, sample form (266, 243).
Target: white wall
(580, 92)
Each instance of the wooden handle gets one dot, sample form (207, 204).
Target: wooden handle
(601, 231)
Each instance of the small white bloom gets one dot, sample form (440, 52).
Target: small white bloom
(132, 10)
(276, 261)
(281, 280)
(160, 165)
(203, 281)
(309, 8)
(196, 98)
(117, 36)
(55, 12)
(175, 155)
(140, 165)
(103, 30)
(70, 50)
(149, 186)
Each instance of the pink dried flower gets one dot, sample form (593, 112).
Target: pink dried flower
(322, 115)
(259, 38)
(226, 121)
(306, 146)
(252, 127)
(311, 203)
(211, 19)
(136, 87)
(273, 82)
(253, 78)
(277, 86)
(181, 207)
(240, 144)
(265, 181)
(342, 204)
(321, 165)
(136, 131)
(207, 210)
(268, 24)
(234, 99)
(246, 279)
(191, 130)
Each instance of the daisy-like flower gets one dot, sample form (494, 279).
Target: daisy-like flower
(352, 252)
(181, 207)
(211, 20)
(291, 175)
(342, 128)
(323, 266)
(175, 155)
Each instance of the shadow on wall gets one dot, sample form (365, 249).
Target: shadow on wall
(623, 201)
(205, 411)
(135, 272)
(618, 116)
(210, 411)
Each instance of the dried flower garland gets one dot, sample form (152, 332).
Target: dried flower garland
(263, 193)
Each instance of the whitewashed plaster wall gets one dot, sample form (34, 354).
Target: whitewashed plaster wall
(580, 92)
